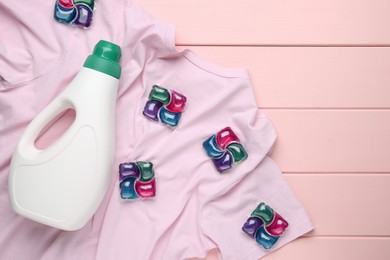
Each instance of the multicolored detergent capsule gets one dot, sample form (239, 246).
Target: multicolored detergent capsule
(127, 187)
(137, 180)
(65, 13)
(264, 212)
(84, 15)
(160, 94)
(212, 148)
(265, 225)
(165, 106)
(146, 169)
(223, 163)
(152, 108)
(78, 12)
(278, 225)
(168, 117)
(225, 137)
(252, 225)
(224, 149)
(68, 4)
(146, 189)
(177, 103)
(129, 169)
(89, 3)
(265, 239)
(238, 152)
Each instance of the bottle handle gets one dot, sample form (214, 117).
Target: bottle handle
(53, 109)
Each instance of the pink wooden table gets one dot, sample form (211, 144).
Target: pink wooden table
(321, 71)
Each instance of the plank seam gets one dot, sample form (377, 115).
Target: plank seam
(326, 108)
(348, 236)
(335, 173)
(286, 45)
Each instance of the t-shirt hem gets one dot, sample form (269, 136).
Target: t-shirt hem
(256, 254)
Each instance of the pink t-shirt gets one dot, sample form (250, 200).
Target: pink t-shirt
(196, 208)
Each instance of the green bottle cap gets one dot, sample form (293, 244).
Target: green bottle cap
(105, 58)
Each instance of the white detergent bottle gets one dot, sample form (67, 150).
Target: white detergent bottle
(63, 185)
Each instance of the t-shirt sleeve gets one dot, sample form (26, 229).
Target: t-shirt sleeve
(256, 135)
(226, 213)
(145, 35)
(30, 41)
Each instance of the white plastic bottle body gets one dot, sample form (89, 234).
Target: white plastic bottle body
(62, 186)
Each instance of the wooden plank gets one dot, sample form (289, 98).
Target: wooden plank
(334, 248)
(325, 248)
(345, 204)
(332, 140)
(311, 77)
(277, 22)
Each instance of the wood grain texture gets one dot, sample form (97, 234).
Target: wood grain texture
(311, 77)
(356, 141)
(276, 22)
(345, 204)
(326, 248)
